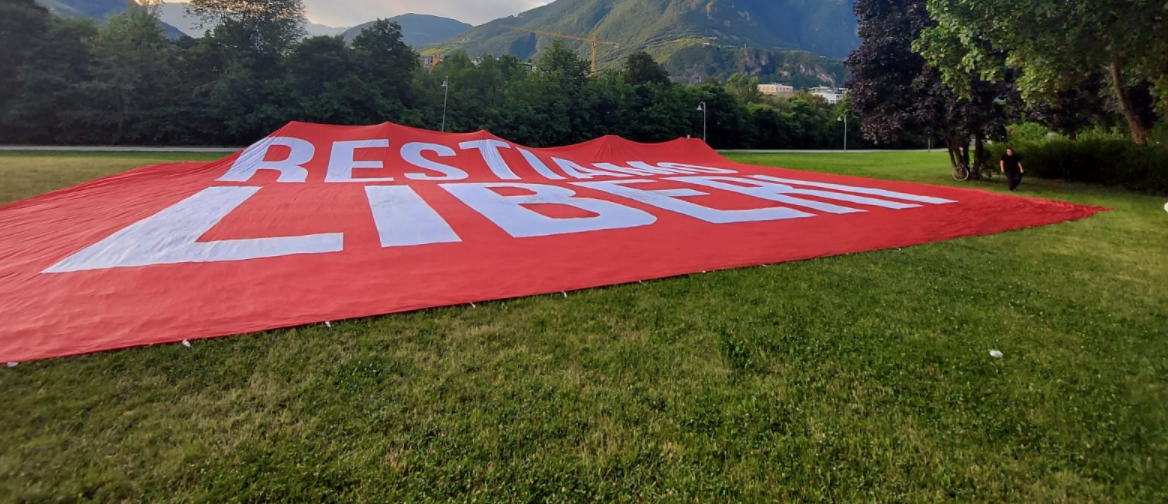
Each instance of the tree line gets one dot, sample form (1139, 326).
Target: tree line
(74, 81)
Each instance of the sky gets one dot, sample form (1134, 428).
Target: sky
(343, 13)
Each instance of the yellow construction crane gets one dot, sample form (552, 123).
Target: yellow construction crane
(593, 40)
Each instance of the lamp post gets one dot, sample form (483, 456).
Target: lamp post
(702, 108)
(445, 97)
(844, 118)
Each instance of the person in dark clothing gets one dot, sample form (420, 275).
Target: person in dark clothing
(1012, 166)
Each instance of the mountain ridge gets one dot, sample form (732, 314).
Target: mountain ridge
(789, 41)
(99, 10)
(175, 14)
(419, 29)
(663, 28)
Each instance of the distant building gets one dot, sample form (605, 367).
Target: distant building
(832, 96)
(776, 89)
(429, 62)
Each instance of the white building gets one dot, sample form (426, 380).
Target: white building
(776, 89)
(832, 96)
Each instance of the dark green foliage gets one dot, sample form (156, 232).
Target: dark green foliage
(641, 68)
(1072, 110)
(133, 73)
(385, 62)
(23, 26)
(322, 78)
(1048, 48)
(125, 83)
(44, 107)
(1116, 162)
(896, 92)
(563, 65)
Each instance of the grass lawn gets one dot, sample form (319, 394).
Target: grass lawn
(861, 378)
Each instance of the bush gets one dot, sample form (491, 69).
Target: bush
(1028, 132)
(1116, 162)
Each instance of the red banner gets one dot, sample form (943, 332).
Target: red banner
(318, 223)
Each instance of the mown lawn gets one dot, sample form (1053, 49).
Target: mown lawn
(862, 378)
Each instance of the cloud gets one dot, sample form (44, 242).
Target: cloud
(354, 12)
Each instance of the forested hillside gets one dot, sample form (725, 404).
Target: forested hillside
(663, 28)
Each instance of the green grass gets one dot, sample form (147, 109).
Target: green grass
(861, 378)
(27, 174)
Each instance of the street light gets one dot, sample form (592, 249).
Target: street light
(446, 86)
(702, 108)
(844, 118)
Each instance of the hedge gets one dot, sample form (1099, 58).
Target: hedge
(1098, 161)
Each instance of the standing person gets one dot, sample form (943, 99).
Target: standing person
(1012, 166)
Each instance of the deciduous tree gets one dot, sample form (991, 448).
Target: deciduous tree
(386, 62)
(132, 78)
(1052, 46)
(260, 26)
(641, 68)
(896, 92)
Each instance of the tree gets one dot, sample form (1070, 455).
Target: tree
(1052, 45)
(896, 92)
(132, 78)
(556, 100)
(1073, 110)
(726, 117)
(323, 82)
(478, 92)
(124, 82)
(316, 62)
(23, 25)
(257, 26)
(641, 69)
(744, 87)
(384, 60)
(563, 63)
(48, 92)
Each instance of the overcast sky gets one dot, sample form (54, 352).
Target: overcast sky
(341, 13)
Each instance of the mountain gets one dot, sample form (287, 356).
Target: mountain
(698, 63)
(419, 29)
(319, 30)
(665, 27)
(176, 14)
(99, 9)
